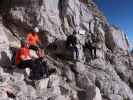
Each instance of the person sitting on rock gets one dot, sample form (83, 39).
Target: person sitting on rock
(23, 59)
(91, 46)
(71, 44)
(34, 67)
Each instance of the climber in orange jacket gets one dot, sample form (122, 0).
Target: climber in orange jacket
(23, 59)
(33, 40)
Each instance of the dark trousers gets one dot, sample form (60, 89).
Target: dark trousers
(25, 64)
(41, 66)
(92, 50)
(75, 51)
(39, 69)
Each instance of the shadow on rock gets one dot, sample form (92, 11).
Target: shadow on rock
(5, 62)
(59, 50)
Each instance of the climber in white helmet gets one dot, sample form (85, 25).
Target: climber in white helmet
(36, 29)
(33, 39)
(34, 43)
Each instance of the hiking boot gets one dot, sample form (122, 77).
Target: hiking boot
(27, 75)
(27, 71)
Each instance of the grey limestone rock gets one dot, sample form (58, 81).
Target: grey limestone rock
(109, 75)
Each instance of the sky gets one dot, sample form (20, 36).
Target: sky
(119, 13)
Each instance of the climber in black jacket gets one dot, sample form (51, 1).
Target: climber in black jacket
(71, 44)
(90, 44)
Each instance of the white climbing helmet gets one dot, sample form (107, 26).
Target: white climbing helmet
(36, 29)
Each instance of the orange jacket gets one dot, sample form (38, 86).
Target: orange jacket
(32, 39)
(21, 52)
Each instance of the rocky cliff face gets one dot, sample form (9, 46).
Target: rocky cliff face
(108, 77)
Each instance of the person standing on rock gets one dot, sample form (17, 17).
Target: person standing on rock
(89, 44)
(71, 44)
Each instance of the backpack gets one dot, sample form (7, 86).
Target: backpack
(71, 40)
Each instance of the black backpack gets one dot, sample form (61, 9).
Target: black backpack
(71, 40)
